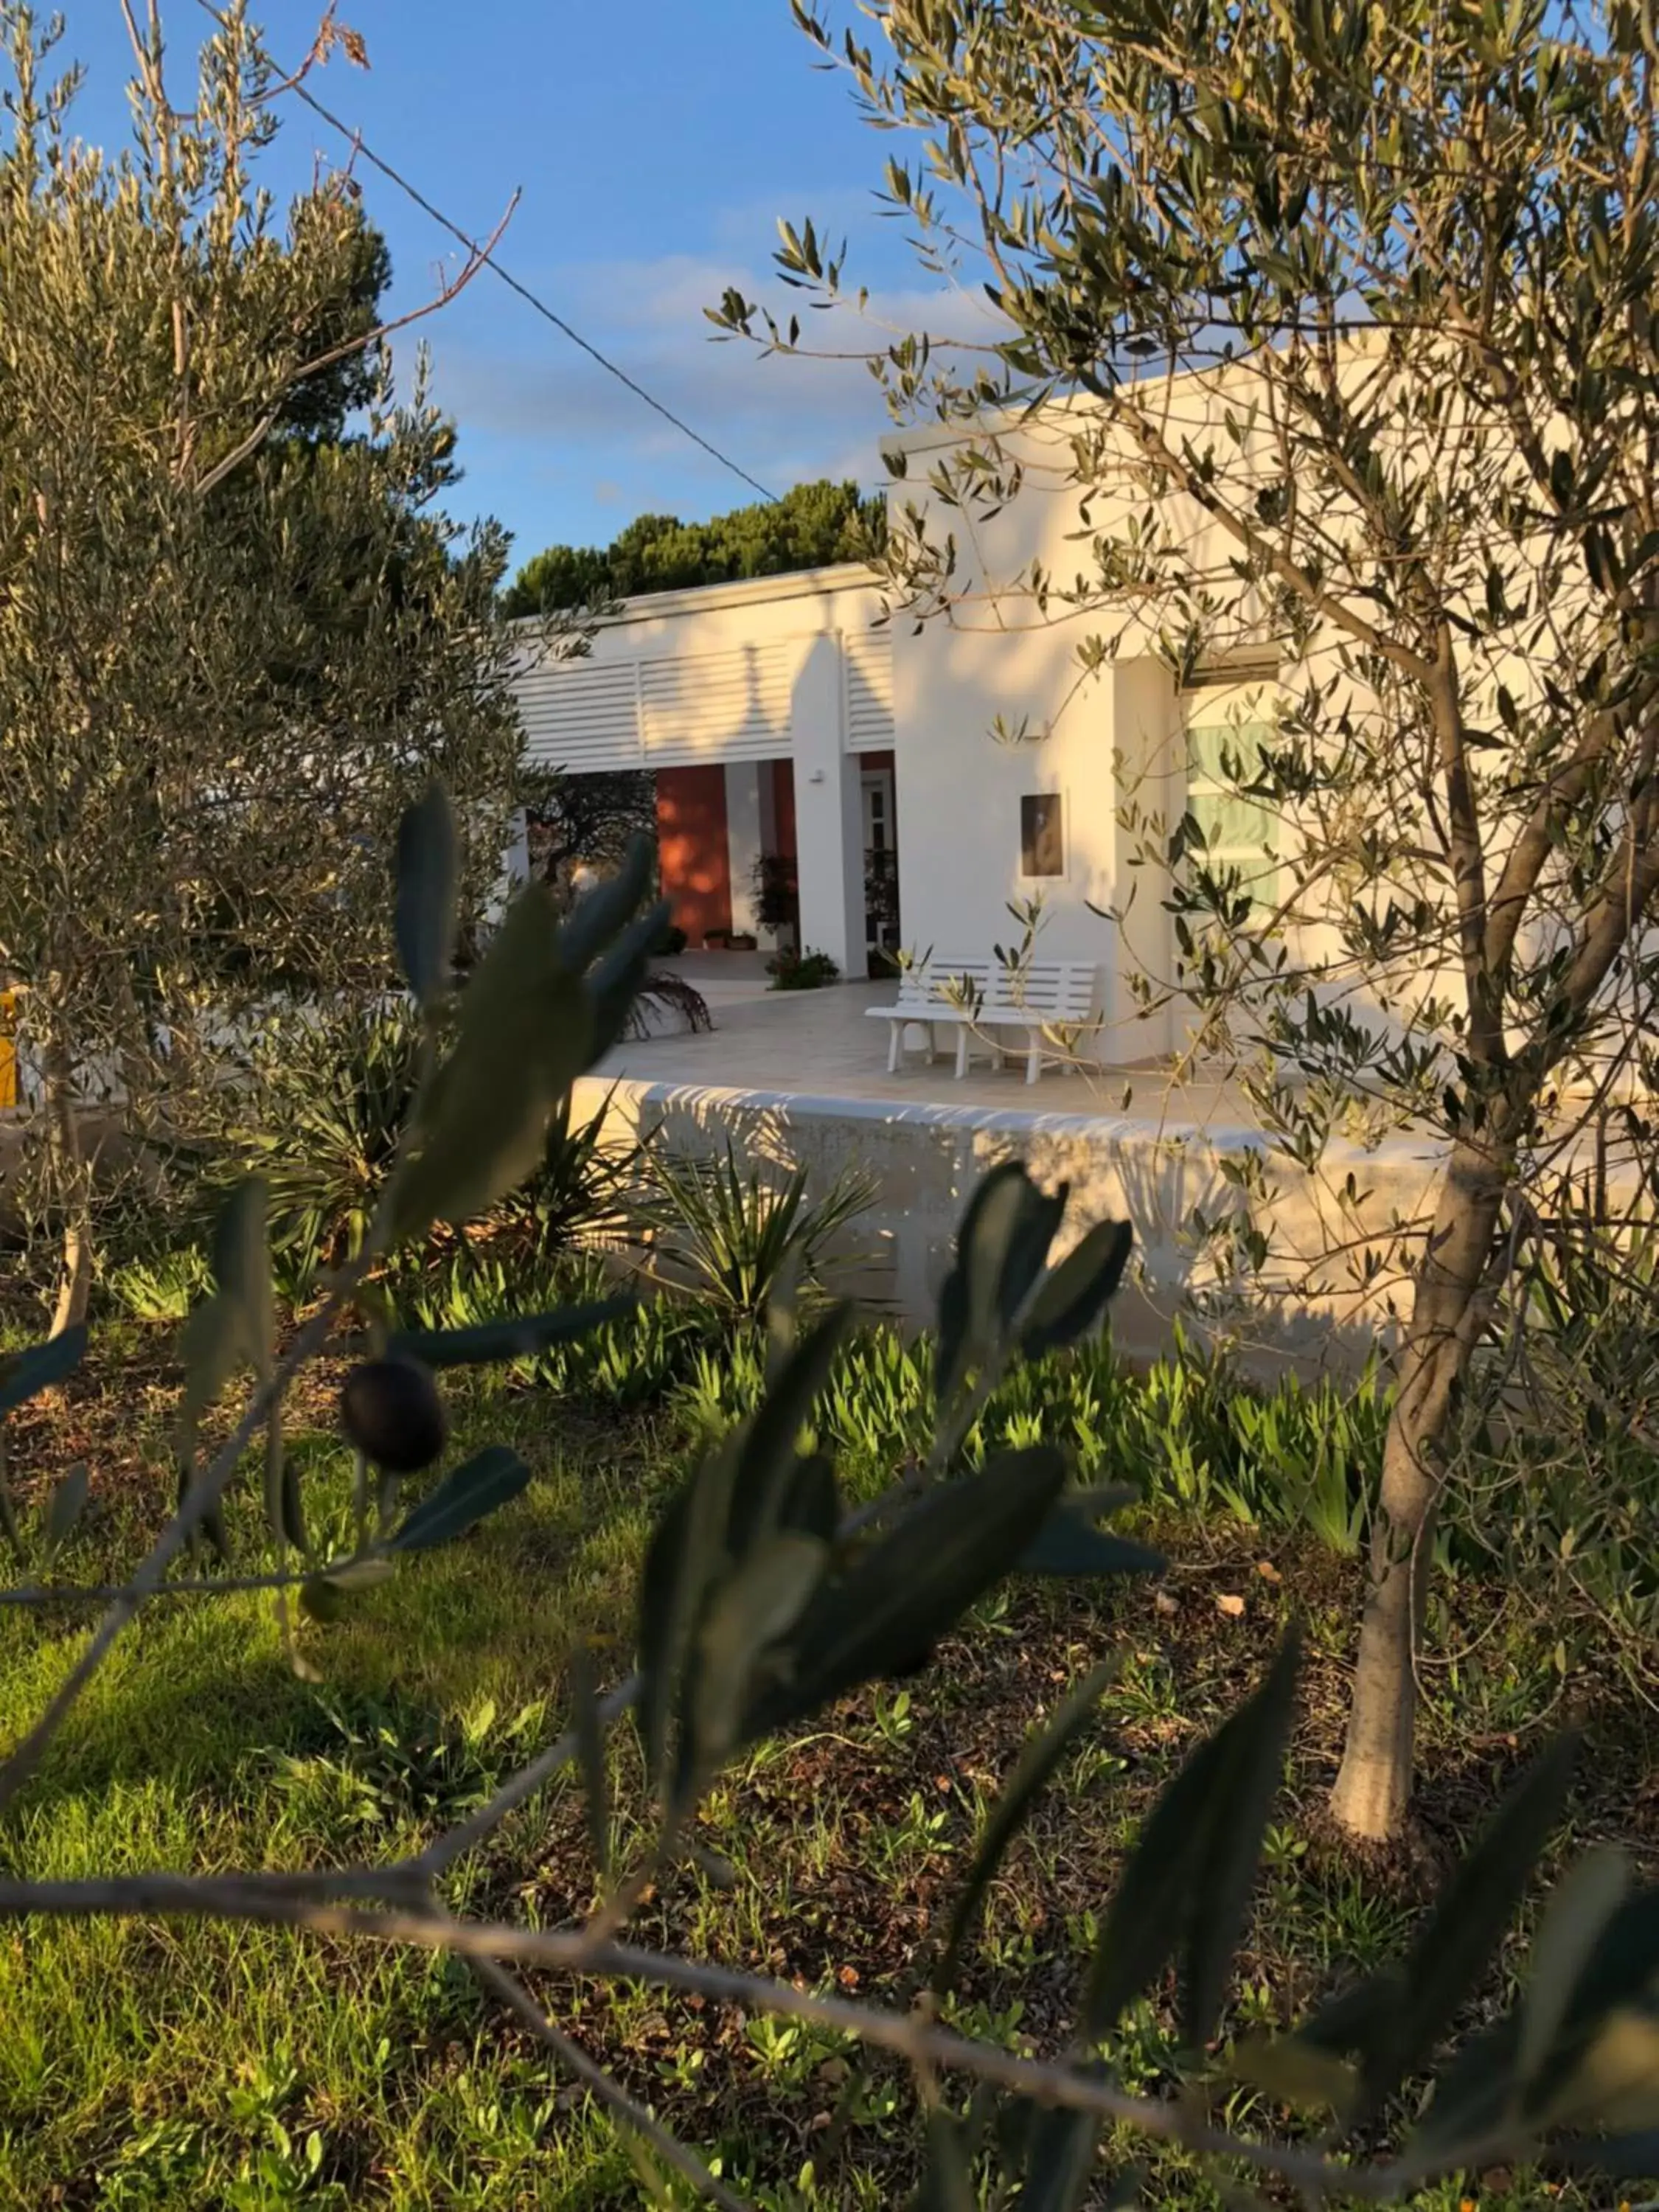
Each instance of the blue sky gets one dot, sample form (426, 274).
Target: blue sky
(655, 143)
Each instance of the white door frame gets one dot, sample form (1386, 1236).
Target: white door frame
(876, 784)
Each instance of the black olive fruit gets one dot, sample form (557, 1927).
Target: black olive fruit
(391, 1410)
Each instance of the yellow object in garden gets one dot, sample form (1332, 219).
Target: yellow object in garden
(8, 1050)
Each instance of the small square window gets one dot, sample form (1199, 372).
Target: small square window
(1041, 834)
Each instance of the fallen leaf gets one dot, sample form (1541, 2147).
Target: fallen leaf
(1230, 1604)
(1267, 1571)
(1163, 1602)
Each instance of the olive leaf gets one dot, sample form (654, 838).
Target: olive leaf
(428, 869)
(1456, 1943)
(25, 1375)
(524, 1036)
(1580, 1907)
(521, 1338)
(1188, 1881)
(65, 1508)
(749, 1614)
(600, 915)
(901, 1592)
(766, 1456)
(1070, 1543)
(1004, 1237)
(481, 1486)
(323, 1596)
(1077, 1291)
(241, 1269)
(1037, 1762)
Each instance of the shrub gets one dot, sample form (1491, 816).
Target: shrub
(802, 971)
(163, 1289)
(582, 1188)
(776, 892)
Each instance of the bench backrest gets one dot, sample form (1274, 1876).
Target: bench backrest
(949, 983)
(1061, 991)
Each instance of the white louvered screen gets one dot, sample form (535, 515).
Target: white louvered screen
(580, 715)
(730, 706)
(868, 726)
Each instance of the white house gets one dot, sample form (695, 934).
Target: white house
(790, 716)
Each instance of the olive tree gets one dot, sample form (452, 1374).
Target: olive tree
(235, 629)
(1340, 319)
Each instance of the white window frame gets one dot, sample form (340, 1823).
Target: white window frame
(1238, 714)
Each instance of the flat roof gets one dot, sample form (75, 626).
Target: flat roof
(737, 592)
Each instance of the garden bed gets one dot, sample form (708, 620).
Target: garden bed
(200, 2065)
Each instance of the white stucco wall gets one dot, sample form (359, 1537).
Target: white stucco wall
(996, 656)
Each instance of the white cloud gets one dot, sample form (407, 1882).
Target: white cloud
(523, 394)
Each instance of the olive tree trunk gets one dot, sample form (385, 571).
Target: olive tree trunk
(1372, 1793)
(71, 1182)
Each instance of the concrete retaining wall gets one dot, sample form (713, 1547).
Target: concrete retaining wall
(926, 1160)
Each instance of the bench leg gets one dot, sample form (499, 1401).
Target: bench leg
(1034, 1057)
(895, 1032)
(962, 1052)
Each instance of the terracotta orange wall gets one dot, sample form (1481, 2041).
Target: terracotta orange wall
(697, 866)
(783, 807)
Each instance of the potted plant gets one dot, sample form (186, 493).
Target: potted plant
(777, 897)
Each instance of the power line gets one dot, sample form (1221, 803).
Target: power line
(482, 254)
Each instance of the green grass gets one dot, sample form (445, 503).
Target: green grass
(194, 2065)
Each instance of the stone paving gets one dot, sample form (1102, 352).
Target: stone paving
(820, 1045)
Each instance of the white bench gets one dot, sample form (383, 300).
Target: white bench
(980, 998)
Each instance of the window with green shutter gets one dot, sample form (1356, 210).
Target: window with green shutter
(1239, 832)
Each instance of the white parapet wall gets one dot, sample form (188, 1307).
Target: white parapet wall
(925, 1160)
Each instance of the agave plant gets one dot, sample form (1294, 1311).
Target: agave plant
(736, 1238)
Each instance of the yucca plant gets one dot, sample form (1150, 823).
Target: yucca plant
(735, 1238)
(339, 1091)
(581, 1190)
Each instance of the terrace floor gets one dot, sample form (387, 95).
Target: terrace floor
(820, 1046)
